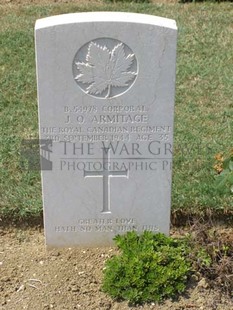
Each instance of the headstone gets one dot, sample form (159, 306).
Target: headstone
(106, 84)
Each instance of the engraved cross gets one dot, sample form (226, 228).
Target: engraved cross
(106, 174)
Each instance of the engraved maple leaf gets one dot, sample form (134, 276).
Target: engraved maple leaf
(105, 69)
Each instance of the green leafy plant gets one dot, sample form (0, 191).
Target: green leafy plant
(203, 258)
(224, 168)
(151, 267)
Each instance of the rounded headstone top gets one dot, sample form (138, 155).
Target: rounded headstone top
(105, 17)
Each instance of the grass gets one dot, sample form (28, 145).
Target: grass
(204, 109)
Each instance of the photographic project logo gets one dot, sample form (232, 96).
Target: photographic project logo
(36, 154)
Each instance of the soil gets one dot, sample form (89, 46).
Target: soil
(36, 279)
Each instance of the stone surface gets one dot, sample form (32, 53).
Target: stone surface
(106, 84)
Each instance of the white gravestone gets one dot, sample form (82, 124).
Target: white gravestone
(106, 84)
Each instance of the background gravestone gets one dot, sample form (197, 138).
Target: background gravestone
(106, 84)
